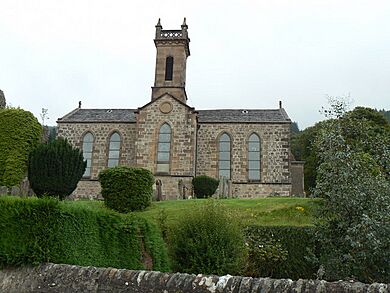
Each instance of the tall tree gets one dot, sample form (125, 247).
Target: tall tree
(354, 222)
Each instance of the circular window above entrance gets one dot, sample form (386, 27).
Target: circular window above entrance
(166, 107)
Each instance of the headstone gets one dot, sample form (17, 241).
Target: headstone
(15, 190)
(2, 100)
(3, 190)
(159, 196)
(24, 187)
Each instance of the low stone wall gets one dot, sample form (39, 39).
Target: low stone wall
(67, 278)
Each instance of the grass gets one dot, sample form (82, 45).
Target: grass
(270, 211)
(273, 211)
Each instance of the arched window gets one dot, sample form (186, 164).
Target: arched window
(164, 148)
(114, 150)
(87, 152)
(254, 157)
(224, 156)
(169, 68)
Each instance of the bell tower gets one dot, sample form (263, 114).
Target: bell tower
(171, 59)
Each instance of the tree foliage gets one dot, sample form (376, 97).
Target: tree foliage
(364, 129)
(20, 132)
(354, 222)
(55, 168)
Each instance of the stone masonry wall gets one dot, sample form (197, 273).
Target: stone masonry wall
(182, 153)
(74, 132)
(67, 278)
(275, 170)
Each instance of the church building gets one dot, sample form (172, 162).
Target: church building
(248, 148)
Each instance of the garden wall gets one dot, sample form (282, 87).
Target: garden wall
(67, 278)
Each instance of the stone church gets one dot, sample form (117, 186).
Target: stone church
(248, 148)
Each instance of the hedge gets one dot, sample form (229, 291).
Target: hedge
(46, 230)
(126, 189)
(204, 186)
(281, 252)
(20, 132)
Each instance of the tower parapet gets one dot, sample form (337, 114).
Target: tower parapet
(171, 59)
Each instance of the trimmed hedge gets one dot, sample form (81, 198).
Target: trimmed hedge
(204, 186)
(20, 132)
(126, 189)
(55, 168)
(281, 252)
(46, 230)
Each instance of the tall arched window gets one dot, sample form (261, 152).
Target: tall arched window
(224, 156)
(164, 148)
(169, 68)
(87, 152)
(114, 150)
(254, 157)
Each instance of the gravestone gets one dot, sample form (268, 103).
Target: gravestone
(15, 190)
(2, 100)
(3, 190)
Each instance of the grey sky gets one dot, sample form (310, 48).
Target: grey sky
(244, 54)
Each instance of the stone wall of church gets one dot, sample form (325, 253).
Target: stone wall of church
(183, 127)
(74, 132)
(275, 175)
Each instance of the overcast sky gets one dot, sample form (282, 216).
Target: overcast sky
(244, 54)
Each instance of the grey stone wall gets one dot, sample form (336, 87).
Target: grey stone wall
(74, 132)
(182, 154)
(275, 169)
(67, 278)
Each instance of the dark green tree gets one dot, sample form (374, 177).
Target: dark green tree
(204, 186)
(55, 168)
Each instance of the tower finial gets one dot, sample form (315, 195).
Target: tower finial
(184, 23)
(158, 23)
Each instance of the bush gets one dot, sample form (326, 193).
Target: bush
(207, 241)
(76, 232)
(126, 189)
(204, 186)
(20, 132)
(281, 252)
(55, 168)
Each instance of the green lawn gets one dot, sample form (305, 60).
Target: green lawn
(272, 211)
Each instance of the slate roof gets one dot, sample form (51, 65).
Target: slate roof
(243, 116)
(204, 116)
(99, 115)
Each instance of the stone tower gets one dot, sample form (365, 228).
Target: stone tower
(2, 100)
(171, 59)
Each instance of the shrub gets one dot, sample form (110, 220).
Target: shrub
(204, 186)
(20, 132)
(126, 189)
(55, 168)
(280, 252)
(207, 241)
(76, 232)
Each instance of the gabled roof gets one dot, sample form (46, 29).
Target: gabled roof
(163, 95)
(99, 115)
(243, 116)
(204, 116)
